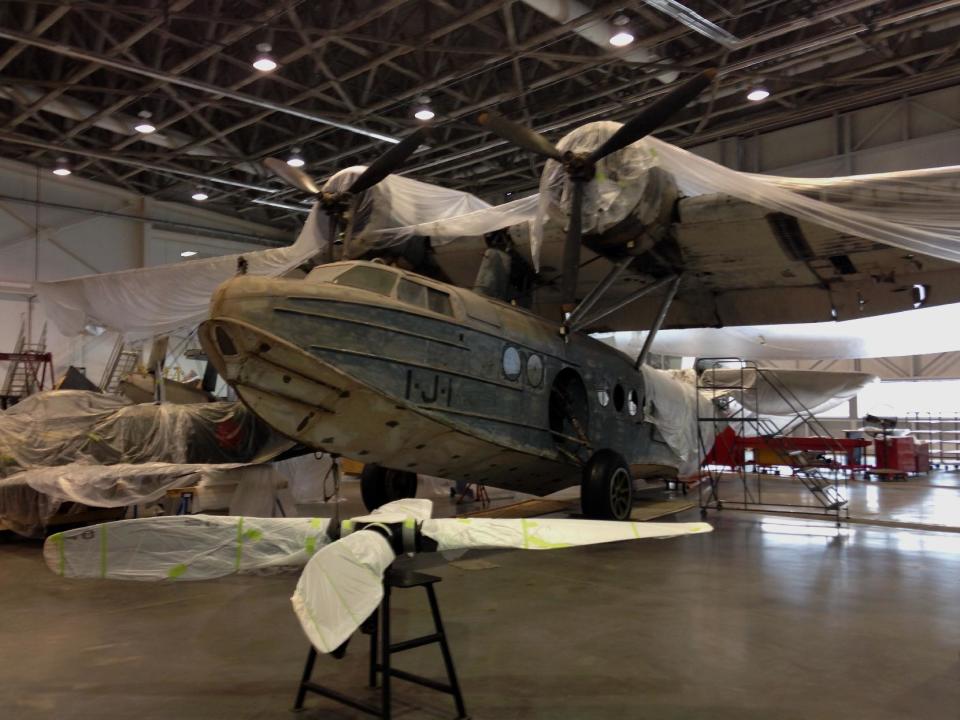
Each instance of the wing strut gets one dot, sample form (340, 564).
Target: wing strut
(661, 316)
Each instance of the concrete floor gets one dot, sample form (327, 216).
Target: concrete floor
(767, 617)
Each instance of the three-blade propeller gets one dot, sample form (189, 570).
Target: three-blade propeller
(580, 168)
(342, 581)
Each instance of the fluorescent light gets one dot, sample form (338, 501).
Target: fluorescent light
(758, 94)
(264, 62)
(188, 253)
(199, 196)
(424, 113)
(621, 39)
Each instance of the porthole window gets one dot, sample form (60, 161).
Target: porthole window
(603, 396)
(534, 370)
(512, 363)
(633, 402)
(618, 397)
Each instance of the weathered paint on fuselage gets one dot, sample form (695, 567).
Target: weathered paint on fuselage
(459, 414)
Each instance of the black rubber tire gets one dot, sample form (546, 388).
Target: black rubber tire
(380, 485)
(606, 491)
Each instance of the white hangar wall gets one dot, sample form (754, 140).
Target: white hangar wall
(914, 132)
(52, 228)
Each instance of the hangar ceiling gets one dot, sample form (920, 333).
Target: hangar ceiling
(75, 78)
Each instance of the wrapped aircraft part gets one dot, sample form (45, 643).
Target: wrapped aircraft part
(917, 210)
(781, 392)
(77, 426)
(184, 547)
(545, 534)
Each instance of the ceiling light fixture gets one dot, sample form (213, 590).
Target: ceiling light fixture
(696, 22)
(758, 94)
(264, 62)
(295, 159)
(199, 195)
(188, 253)
(622, 37)
(63, 167)
(144, 127)
(423, 111)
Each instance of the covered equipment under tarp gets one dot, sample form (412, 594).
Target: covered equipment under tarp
(84, 447)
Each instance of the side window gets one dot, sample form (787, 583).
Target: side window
(411, 292)
(439, 302)
(512, 363)
(369, 278)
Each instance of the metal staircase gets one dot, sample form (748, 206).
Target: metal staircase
(123, 361)
(826, 486)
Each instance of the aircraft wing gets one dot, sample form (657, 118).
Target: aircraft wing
(744, 264)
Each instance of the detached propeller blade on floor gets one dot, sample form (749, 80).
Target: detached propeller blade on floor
(580, 168)
(342, 583)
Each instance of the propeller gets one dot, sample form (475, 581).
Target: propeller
(342, 582)
(581, 167)
(335, 204)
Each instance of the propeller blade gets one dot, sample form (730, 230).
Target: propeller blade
(571, 248)
(417, 508)
(391, 160)
(545, 533)
(291, 175)
(655, 115)
(183, 547)
(519, 135)
(340, 587)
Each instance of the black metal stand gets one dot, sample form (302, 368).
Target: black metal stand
(379, 623)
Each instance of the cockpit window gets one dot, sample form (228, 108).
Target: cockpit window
(324, 273)
(368, 278)
(425, 297)
(439, 302)
(411, 292)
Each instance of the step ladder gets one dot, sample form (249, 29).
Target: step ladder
(123, 361)
(29, 368)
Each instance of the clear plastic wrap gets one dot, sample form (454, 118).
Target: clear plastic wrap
(157, 300)
(184, 547)
(916, 210)
(77, 426)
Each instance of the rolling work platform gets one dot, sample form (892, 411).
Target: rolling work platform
(740, 447)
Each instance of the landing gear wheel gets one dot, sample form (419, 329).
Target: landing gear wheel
(606, 492)
(380, 485)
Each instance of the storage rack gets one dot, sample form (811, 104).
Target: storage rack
(940, 431)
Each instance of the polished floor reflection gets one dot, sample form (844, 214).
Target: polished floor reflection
(767, 617)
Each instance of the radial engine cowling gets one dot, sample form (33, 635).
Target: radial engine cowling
(628, 206)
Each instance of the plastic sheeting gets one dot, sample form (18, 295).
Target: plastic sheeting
(77, 426)
(340, 587)
(394, 209)
(671, 405)
(545, 533)
(184, 547)
(917, 210)
(157, 300)
(783, 393)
